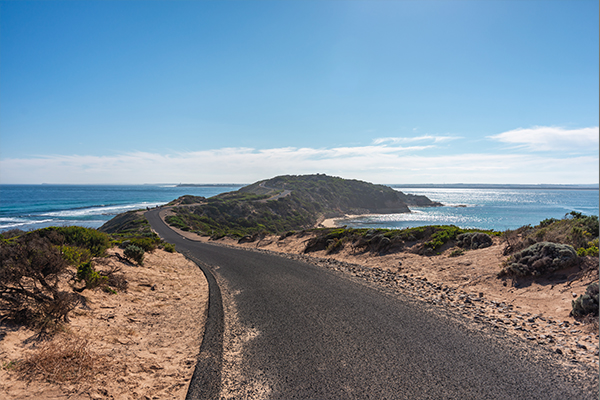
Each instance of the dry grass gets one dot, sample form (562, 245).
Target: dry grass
(66, 359)
(591, 323)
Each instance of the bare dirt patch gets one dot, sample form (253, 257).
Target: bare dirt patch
(138, 344)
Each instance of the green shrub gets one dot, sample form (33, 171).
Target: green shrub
(169, 247)
(586, 303)
(473, 240)
(75, 255)
(591, 251)
(442, 236)
(86, 238)
(87, 273)
(134, 253)
(540, 258)
(547, 222)
(177, 222)
(574, 229)
(147, 244)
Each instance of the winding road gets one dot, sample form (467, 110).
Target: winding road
(285, 329)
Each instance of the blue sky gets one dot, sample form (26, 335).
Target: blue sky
(225, 91)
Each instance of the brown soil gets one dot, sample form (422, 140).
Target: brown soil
(142, 344)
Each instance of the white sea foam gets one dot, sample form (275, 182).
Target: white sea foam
(100, 210)
(8, 223)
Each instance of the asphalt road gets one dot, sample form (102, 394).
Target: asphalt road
(313, 334)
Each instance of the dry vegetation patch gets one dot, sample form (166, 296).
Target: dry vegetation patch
(138, 343)
(65, 358)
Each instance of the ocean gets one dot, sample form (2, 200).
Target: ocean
(486, 208)
(30, 207)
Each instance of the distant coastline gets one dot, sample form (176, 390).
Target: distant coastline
(442, 186)
(494, 186)
(209, 184)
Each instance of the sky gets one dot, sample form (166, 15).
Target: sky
(393, 92)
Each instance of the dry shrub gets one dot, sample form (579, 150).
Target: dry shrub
(473, 240)
(539, 259)
(30, 271)
(591, 323)
(587, 303)
(66, 359)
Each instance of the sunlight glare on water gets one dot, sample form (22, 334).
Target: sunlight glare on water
(497, 209)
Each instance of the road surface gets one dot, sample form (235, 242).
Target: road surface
(296, 331)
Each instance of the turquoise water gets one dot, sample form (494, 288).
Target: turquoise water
(36, 206)
(29, 207)
(497, 209)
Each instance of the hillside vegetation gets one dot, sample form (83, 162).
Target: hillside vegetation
(287, 203)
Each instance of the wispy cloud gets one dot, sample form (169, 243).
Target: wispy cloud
(550, 138)
(375, 163)
(431, 138)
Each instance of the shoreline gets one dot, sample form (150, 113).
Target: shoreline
(332, 222)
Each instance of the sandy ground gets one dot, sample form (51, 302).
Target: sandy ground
(145, 341)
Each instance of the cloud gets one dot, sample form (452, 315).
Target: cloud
(550, 138)
(375, 163)
(435, 139)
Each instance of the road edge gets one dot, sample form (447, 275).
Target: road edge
(206, 379)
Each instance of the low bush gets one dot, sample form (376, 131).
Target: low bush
(473, 240)
(75, 255)
(442, 236)
(134, 253)
(30, 268)
(169, 247)
(586, 304)
(575, 229)
(95, 241)
(87, 273)
(539, 259)
(147, 244)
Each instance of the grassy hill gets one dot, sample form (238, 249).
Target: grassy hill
(287, 203)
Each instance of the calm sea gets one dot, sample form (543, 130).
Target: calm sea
(36, 206)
